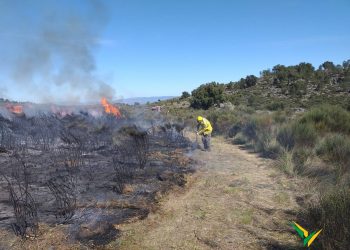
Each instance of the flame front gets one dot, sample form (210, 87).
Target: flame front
(110, 109)
(16, 109)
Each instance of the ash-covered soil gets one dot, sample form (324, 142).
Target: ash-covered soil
(86, 173)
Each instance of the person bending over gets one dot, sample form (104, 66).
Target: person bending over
(204, 129)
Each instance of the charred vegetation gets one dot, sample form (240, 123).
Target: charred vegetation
(75, 168)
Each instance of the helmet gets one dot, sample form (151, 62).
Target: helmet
(199, 119)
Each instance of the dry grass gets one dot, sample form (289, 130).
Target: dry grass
(285, 162)
(234, 203)
(49, 238)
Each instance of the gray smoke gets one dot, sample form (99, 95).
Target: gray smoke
(3, 91)
(55, 60)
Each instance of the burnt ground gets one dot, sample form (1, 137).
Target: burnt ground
(83, 176)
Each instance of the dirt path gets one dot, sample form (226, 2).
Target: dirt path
(236, 200)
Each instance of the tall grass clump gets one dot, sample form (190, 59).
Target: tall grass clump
(331, 214)
(260, 131)
(328, 118)
(299, 158)
(269, 148)
(249, 129)
(297, 134)
(279, 117)
(285, 162)
(222, 121)
(258, 126)
(285, 137)
(335, 149)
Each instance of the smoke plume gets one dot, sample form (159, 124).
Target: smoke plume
(54, 59)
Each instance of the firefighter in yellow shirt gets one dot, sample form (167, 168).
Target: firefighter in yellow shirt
(204, 129)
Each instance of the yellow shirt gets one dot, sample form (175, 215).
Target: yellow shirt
(205, 127)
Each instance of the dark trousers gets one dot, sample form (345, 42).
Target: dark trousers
(206, 141)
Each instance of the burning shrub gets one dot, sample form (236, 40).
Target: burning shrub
(110, 108)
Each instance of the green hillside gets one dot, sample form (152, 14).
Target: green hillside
(298, 116)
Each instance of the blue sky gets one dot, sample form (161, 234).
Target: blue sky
(153, 48)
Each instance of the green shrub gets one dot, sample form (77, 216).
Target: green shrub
(275, 106)
(328, 118)
(224, 122)
(259, 130)
(279, 116)
(304, 134)
(185, 95)
(250, 130)
(297, 88)
(221, 120)
(285, 137)
(249, 81)
(235, 129)
(252, 100)
(268, 147)
(300, 134)
(206, 95)
(246, 109)
(336, 149)
(332, 215)
(257, 125)
(240, 139)
(262, 143)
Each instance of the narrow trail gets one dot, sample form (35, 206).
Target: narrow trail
(236, 200)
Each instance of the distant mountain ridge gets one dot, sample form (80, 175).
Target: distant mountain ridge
(143, 100)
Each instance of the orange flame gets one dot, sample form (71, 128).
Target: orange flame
(110, 109)
(16, 109)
